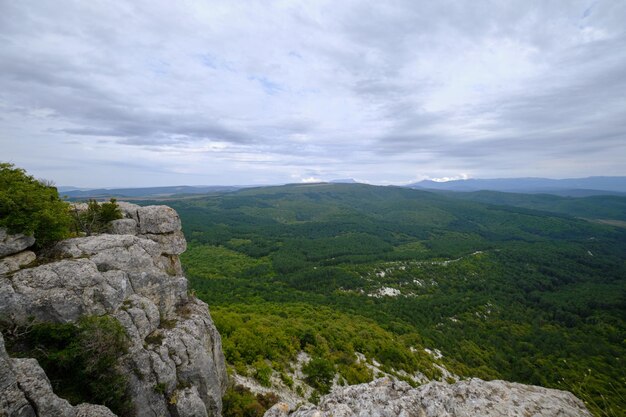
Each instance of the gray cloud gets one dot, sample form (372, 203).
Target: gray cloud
(222, 93)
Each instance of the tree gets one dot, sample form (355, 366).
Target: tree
(32, 207)
(319, 373)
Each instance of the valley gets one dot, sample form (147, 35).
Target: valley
(354, 275)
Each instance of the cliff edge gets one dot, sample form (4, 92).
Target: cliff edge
(175, 365)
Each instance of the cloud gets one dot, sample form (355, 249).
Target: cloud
(218, 92)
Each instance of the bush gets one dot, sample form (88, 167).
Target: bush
(239, 401)
(81, 360)
(320, 373)
(97, 217)
(32, 207)
(262, 373)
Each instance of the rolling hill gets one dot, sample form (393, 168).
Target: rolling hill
(393, 273)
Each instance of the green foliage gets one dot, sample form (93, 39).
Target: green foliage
(254, 333)
(319, 374)
(81, 360)
(219, 262)
(31, 207)
(287, 380)
(160, 388)
(238, 401)
(504, 292)
(263, 373)
(96, 218)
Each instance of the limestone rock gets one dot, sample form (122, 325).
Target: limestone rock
(62, 291)
(278, 410)
(92, 410)
(13, 402)
(474, 397)
(170, 243)
(188, 403)
(123, 227)
(10, 244)
(152, 219)
(134, 276)
(14, 262)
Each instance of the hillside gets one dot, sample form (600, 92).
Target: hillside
(500, 291)
(573, 187)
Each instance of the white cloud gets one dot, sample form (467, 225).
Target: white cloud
(218, 92)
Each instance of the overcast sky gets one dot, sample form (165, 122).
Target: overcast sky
(140, 93)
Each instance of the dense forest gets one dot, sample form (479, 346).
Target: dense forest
(503, 292)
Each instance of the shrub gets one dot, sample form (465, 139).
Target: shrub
(262, 373)
(320, 373)
(96, 218)
(239, 401)
(81, 360)
(32, 207)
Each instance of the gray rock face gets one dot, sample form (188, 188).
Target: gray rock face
(135, 277)
(14, 262)
(474, 397)
(152, 219)
(123, 227)
(10, 244)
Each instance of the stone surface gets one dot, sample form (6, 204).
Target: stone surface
(14, 262)
(152, 219)
(123, 227)
(134, 276)
(474, 397)
(170, 243)
(10, 244)
(188, 403)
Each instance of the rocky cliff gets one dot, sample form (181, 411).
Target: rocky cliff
(469, 398)
(132, 274)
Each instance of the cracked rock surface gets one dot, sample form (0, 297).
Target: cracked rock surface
(135, 276)
(474, 397)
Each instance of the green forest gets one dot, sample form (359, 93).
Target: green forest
(502, 290)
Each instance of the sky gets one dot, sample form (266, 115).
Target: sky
(146, 93)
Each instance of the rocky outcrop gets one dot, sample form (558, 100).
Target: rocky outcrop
(10, 244)
(469, 398)
(134, 275)
(13, 253)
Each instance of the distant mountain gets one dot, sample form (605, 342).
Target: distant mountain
(146, 192)
(574, 187)
(343, 181)
(65, 188)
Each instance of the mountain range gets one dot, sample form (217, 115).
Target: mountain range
(573, 187)
(569, 187)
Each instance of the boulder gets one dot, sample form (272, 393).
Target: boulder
(10, 244)
(14, 262)
(152, 219)
(170, 243)
(123, 227)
